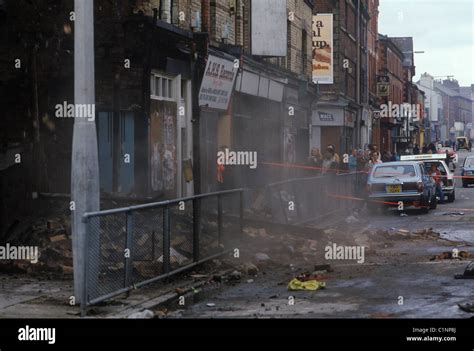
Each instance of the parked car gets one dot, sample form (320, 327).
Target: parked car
(405, 181)
(447, 177)
(462, 143)
(467, 171)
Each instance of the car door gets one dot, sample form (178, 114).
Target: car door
(427, 181)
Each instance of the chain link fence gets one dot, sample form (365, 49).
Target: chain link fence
(127, 248)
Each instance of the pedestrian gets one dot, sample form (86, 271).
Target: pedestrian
(387, 156)
(416, 150)
(315, 158)
(373, 160)
(376, 152)
(424, 149)
(333, 150)
(436, 175)
(469, 145)
(329, 162)
(432, 148)
(353, 161)
(361, 161)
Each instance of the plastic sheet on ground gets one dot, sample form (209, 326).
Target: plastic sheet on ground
(296, 284)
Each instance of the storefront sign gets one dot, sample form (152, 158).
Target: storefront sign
(217, 83)
(326, 117)
(383, 89)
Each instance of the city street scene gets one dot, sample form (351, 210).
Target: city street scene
(237, 159)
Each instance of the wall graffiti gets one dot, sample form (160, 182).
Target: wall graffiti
(163, 138)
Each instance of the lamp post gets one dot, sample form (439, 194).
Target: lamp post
(84, 163)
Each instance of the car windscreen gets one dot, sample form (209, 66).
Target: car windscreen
(394, 171)
(469, 162)
(439, 167)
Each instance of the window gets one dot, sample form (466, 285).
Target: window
(161, 87)
(394, 171)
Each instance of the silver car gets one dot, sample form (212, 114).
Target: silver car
(401, 184)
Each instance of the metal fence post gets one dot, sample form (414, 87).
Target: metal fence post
(241, 213)
(196, 228)
(297, 200)
(84, 294)
(219, 219)
(129, 248)
(166, 239)
(283, 206)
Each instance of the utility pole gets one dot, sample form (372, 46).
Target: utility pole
(199, 67)
(84, 165)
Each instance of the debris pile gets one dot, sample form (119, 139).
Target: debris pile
(51, 239)
(452, 255)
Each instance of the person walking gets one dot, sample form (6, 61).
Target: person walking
(436, 175)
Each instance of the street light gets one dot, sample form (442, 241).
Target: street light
(84, 162)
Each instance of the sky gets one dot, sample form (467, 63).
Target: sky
(443, 29)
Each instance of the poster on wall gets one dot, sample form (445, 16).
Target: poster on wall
(323, 61)
(163, 138)
(217, 83)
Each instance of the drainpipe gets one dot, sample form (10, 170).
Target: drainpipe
(165, 11)
(359, 110)
(205, 16)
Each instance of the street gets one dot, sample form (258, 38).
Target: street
(400, 278)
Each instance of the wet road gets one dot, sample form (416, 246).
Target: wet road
(453, 220)
(397, 280)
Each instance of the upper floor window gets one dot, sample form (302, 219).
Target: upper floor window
(161, 87)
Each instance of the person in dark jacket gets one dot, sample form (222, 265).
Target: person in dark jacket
(424, 149)
(416, 150)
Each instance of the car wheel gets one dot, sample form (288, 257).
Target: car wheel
(425, 206)
(452, 196)
(433, 203)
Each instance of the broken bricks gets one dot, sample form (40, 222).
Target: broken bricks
(449, 255)
(250, 269)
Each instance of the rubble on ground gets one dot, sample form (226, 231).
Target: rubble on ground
(452, 255)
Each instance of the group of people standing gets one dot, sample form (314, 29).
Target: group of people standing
(357, 161)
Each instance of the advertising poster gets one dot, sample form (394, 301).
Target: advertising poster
(323, 64)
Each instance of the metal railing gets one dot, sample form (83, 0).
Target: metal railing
(127, 248)
(299, 201)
